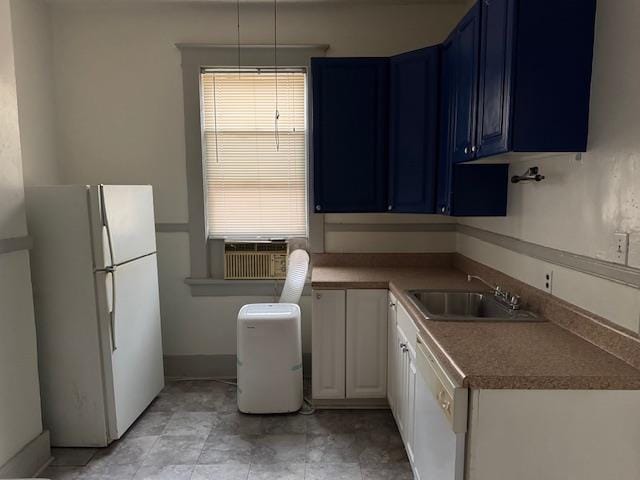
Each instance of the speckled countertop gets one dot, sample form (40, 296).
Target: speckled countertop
(491, 355)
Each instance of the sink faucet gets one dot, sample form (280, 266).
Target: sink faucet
(476, 277)
(505, 297)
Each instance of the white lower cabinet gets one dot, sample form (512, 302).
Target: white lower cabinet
(349, 344)
(402, 373)
(328, 333)
(366, 344)
(416, 397)
(409, 402)
(451, 433)
(553, 435)
(392, 340)
(399, 352)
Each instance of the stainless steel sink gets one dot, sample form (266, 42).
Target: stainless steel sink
(463, 306)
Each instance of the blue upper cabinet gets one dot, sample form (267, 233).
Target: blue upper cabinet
(534, 75)
(400, 134)
(464, 189)
(350, 134)
(465, 45)
(413, 122)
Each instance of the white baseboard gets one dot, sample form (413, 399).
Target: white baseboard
(29, 461)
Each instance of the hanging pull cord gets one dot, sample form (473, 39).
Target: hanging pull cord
(238, 33)
(275, 64)
(276, 131)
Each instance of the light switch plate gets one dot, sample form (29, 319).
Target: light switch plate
(634, 250)
(621, 246)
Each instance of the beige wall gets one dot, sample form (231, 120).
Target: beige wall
(34, 79)
(20, 416)
(12, 218)
(119, 85)
(120, 120)
(361, 235)
(120, 115)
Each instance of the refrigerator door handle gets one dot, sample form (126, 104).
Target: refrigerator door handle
(106, 229)
(110, 288)
(111, 269)
(111, 299)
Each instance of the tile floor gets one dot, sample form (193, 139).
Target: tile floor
(193, 431)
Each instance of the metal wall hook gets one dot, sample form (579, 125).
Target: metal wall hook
(531, 175)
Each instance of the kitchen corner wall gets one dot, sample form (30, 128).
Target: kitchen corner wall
(584, 201)
(34, 80)
(23, 445)
(120, 119)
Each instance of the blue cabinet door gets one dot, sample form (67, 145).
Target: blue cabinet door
(466, 50)
(552, 65)
(447, 105)
(350, 134)
(413, 131)
(495, 76)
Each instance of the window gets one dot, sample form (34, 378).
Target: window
(255, 168)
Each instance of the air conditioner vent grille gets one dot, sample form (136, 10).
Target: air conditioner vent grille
(255, 261)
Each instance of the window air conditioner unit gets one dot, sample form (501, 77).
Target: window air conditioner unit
(255, 260)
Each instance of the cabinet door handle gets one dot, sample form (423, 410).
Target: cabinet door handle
(474, 149)
(392, 304)
(318, 208)
(466, 150)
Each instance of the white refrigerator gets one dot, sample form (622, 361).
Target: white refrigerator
(95, 279)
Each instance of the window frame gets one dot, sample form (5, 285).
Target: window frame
(206, 255)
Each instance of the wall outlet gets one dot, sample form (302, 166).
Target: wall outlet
(621, 246)
(548, 281)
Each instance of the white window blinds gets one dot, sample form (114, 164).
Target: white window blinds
(255, 173)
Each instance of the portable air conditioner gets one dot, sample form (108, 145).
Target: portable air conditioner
(255, 260)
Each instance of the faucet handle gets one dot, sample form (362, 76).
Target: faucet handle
(514, 300)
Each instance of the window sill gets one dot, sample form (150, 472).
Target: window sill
(214, 287)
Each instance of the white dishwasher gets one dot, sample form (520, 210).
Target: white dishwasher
(440, 420)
